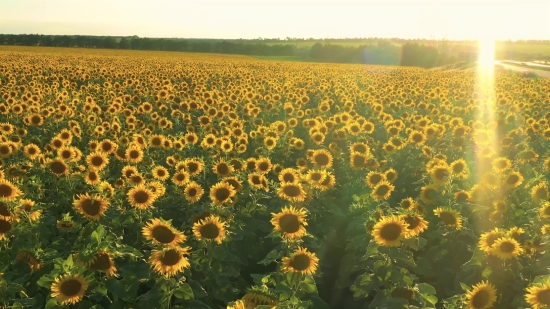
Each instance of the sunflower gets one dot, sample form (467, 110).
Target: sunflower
(26, 205)
(239, 304)
(374, 178)
(64, 225)
(58, 167)
(258, 296)
(128, 171)
(416, 224)
(162, 233)
(459, 169)
(538, 295)
(257, 181)
(449, 217)
(382, 190)
(133, 154)
(102, 261)
(540, 192)
(487, 240)
(513, 180)
(180, 178)
(29, 258)
(221, 193)
(222, 168)
(389, 231)
(193, 192)
(141, 197)
(545, 229)
(321, 158)
(301, 261)
(506, 248)
(263, 165)
(209, 228)
(8, 191)
(169, 261)
(289, 175)
(160, 173)
(234, 182)
(92, 177)
(31, 151)
(390, 175)
(97, 160)
(290, 221)
(292, 192)
(69, 289)
(358, 161)
(417, 137)
(428, 194)
(315, 177)
(193, 166)
(481, 296)
(92, 208)
(5, 227)
(440, 173)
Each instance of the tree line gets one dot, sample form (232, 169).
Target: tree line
(383, 52)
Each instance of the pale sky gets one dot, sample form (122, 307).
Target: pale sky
(233, 19)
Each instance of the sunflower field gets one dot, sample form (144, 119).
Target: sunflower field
(173, 180)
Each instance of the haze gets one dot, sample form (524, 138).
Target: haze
(516, 19)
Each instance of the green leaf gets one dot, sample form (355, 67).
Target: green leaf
(429, 298)
(219, 253)
(372, 249)
(51, 304)
(308, 285)
(464, 287)
(412, 243)
(425, 288)
(270, 257)
(264, 307)
(45, 281)
(486, 272)
(197, 304)
(98, 234)
(184, 291)
(318, 303)
(68, 263)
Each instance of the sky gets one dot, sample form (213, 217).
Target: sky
(247, 19)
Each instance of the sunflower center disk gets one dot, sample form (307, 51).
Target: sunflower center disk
(322, 159)
(289, 223)
(141, 197)
(58, 167)
(71, 287)
(507, 247)
(222, 194)
(5, 226)
(412, 222)
(544, 297)
(91, 207)
(300, 262)
(448, 218)
(481, 299)
(4, 210)
(390, 232)
(163, 235)
(223, 169)
(209, 231)
(171, 257)
(102, 262)
(292, 191)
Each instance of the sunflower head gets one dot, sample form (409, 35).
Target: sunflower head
(290, 221)
(389, 231)
(482, 295)
(69, 289)
(449, 217)
(301, 261)
(211, 228)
